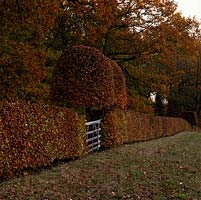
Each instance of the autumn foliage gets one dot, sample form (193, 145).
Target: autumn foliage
(141, 127)
(35, 135)
(128, 126)
(119, 85)
(85, 77)
(156, 47)
(24, 28)
(113, 127)
(22, 71)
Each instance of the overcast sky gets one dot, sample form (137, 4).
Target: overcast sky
(190, 8)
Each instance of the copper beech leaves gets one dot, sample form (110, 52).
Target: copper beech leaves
(120, 126)
(85, 77)
(35, 135)
(119, 85)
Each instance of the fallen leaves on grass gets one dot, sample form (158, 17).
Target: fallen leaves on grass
(163, 169)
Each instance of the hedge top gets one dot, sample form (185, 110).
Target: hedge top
(120, 91)
(85, 77)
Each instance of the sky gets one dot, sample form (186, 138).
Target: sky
(190, 8)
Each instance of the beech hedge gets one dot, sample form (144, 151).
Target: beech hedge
(33, 135)
(126, 126)
(142, 127)
(119, 85)
(82, 77)
(113, 127)
(85, 77)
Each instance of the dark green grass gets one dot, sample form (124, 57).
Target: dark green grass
(166, 168)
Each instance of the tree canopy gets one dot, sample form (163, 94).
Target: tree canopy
(156, 47)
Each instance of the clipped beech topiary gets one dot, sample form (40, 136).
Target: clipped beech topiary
(33, 135)
(113, 127)
(83, 77)
(141, 127)
(120, 91)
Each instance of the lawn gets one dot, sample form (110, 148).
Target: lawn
(165, 168)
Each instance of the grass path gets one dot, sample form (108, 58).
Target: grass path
(166, 168)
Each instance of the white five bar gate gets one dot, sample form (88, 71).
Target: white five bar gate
(93, 135)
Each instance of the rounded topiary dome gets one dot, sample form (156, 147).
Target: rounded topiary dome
(83, 77)
(120, 91)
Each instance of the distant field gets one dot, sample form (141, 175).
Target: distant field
(166, 168)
